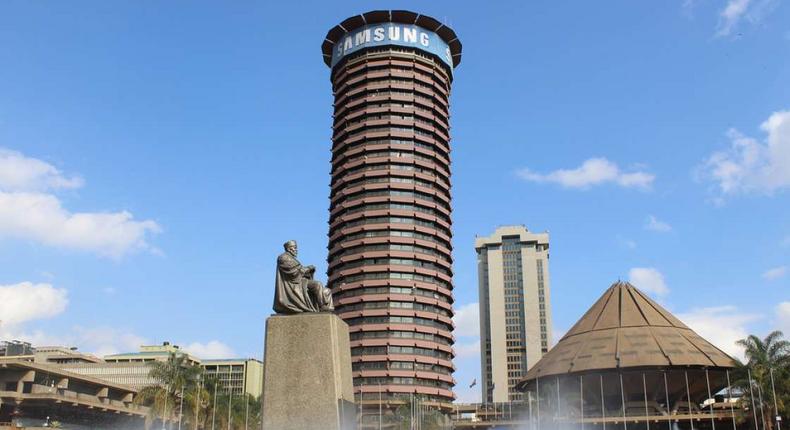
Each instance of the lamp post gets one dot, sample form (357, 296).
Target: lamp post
(164, 412)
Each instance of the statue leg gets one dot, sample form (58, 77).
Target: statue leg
(321, 296)
(329, 304)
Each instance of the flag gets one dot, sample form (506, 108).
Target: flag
(474, 382)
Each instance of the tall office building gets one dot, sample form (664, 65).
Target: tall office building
(515, 310)
(390, 263)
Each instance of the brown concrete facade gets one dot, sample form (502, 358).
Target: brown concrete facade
(30, 392)
(390, 225)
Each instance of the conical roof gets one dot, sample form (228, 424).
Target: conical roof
(624, 329)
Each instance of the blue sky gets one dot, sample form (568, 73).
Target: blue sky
(154, 157)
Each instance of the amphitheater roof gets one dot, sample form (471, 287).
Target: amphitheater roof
(626, 329)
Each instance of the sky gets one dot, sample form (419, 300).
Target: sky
(154, 156)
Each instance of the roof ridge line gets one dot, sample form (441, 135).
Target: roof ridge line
(712, 363)
(649, 326)
(661, 348)
(639, 308)
(573, 360)
(652, 305)
(619, 325)
(598, 317)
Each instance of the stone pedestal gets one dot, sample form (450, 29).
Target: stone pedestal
(307, 373)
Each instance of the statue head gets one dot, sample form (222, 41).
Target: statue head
(290, 247)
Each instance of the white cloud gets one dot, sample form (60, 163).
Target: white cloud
(753, 11)
(29, 212)
(775, 273)
(210, 350)
(467, 320)
(18, 173)
(783, 318)
(688, 7)
(105, 340)
(558, 334)
(41, 217)
(36, 337)
(753, 166)
(731, 15)
(594, 171)
(722, 326)
(649, 280)
(467, 349)
(26, 301)
(655, 224)
(99, 341)
(626, 242)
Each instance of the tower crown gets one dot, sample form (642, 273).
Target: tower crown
(391, 27)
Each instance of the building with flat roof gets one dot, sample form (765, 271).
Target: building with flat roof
(33, 393)
(515, 308)
(63, 355)
(130, 374)
(240, 375)
(390, 250)
(149, 353)
(15, 348)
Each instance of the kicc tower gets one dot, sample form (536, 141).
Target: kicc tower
(390, 251)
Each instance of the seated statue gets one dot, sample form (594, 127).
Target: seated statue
(295, 290)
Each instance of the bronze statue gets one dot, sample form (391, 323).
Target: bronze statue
(295, 290)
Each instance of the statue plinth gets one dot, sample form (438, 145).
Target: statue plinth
(307, 373)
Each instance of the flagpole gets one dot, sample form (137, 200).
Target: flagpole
(246, 412)
(214, 408)
(199, 400)
(230, 398)
(164, 413)
(776, 410)
(181, 408)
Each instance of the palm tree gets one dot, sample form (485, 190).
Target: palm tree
(173, 378)
(198, 400)
(768, 365)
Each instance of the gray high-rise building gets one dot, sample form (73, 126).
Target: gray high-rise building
(515, 311)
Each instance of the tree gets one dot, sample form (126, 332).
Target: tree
(174, 378)
(768, 364)
(205, 401)
(198, 402)
(240, 407)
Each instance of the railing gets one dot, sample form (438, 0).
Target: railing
(518, 414)
(85, 399)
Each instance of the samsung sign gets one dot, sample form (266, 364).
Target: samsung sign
(392, 34)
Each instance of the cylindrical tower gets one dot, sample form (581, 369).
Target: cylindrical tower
(390, 250)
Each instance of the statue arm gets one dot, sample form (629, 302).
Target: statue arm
(290, 266)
